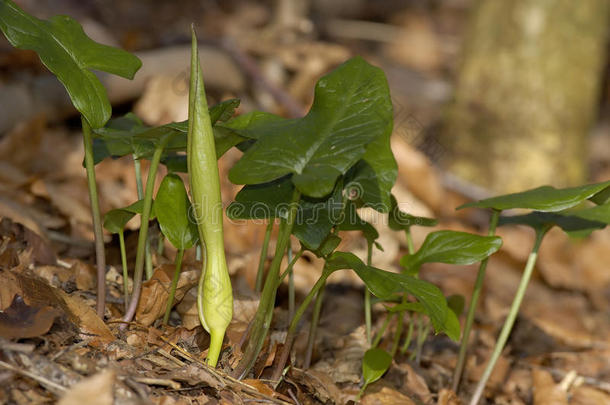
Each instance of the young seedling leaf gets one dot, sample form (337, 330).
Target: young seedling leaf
(138, 207)
(174, 212)
(351, 109)
(399, 220)
(115, 220)
(385, 285)
(375, 363)
(65, 49)
(451, 247)
(545, 198)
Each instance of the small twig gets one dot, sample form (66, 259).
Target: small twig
(169, 356)
(249, 66)
(158, 381)
(16, 347)
(223, 377)
(50, 385)
(294, 397)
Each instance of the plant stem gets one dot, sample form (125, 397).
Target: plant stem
(172, 290)
(367, 297)
(478, 287)
(143, 234)
(263, 258)
(124, 264)
(313, 327)
(100, 255)
(290, 266)
(401, 314)
(160, 244)
(381, 331)
(422, 333)
(294, 323)
(408, 338)
(291, 293)
(139, 188)
(512, 316)
(264, 313)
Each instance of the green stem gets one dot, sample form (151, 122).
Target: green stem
(423, 329)
(290, 266)
(261, 262)
(294, 323)
(124, 264)
(512, 316)
(264, 313)
(313, 327)
(100, 255)
(172, 290)
(139, 188)
(160, 244)
(291, 292)
(367, 297)
(143, 234)
(478, 287)
(409, 337)
(381, 331)
(397, 333)
(401, 314)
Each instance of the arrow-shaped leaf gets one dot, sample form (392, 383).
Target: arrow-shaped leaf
(70, 54)
(545, 198)
(451, 247)
(351, 109)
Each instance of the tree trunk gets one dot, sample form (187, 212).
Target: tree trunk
(526, 94)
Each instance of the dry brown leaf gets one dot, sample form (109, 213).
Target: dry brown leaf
(584, 395)
(384, 396)
(20, 320)
(187, 308)
(546, 392)
(415, 383)
(36, 291)
(318, 384)
(94, 390)
(155, 292)
(260, 386)
(448, 397)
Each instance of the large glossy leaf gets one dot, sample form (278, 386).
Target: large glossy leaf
(451, 247)
(545, 198)
(65, 49)
(315, 217)
(384, 285)
(574, 225)
(174, 213)
(351, 109)
(399, 220)
(375, 363)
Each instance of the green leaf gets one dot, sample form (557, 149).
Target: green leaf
(174, 212)
(315, 217)
(399, 220)
(115, 220)
(545, 198)
(65, 49)
(384, 285)
(451, 247)
(327, 246)
(576, 226)
(351, 109)
(456, 303)
(223, 111)
(375, 363)
(138, 207)
(600, 213)
(351, 221)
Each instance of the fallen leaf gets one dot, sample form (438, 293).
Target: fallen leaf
(20, 320)
(546, 391)
(584, 395)
(155, 292)
(37, 292)
(448, 397)
(384, 396)
(94, 390)
(260, 386)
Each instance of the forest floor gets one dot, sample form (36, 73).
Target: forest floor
(53, 347)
